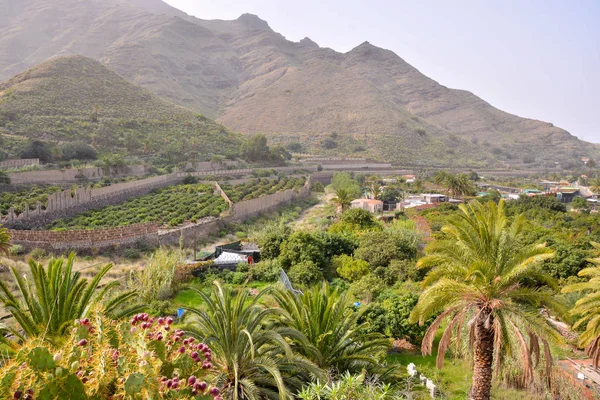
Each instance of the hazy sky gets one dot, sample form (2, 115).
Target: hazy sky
(534, 58)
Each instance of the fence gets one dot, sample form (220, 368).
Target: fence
(24, 162)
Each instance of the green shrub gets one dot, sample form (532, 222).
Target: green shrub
(38, 254)
(305, 273)
(16, 250)
(265, 271)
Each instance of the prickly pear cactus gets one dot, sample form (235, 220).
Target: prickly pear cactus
(142, 358)
(40, 359)
(134, 383)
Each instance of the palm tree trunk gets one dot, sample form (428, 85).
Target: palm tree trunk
(483, 357)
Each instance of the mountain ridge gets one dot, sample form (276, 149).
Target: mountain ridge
(252, 79)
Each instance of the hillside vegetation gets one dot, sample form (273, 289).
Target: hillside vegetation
(75, 98)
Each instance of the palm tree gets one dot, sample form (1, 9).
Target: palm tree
(587, 308)
(595, 185)
(56, 296)
(343, 199)
(478, 276)
(4, 240)
(254, 359)
(331, 337)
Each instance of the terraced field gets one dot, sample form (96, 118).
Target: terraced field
(171, 205)
(261, 187)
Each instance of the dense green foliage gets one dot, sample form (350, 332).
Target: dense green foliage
(261, 187)
(171, 205)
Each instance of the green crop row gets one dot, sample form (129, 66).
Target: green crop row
(171, 205)
(261, 187)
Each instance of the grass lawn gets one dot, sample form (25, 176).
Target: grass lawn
(454, 379)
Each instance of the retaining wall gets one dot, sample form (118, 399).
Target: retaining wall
(19, 163)
(85, 239)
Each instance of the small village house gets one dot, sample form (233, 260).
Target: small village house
(371, 205)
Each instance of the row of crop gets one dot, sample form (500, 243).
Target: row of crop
(171, 205)
(30, 197)
(261, 187)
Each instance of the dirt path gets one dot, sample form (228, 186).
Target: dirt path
(314, 210)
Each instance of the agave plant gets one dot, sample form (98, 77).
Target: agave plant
(54, 296)
(331, 330)
(253, 358)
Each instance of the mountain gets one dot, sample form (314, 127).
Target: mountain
(70, 98)
(366, 102)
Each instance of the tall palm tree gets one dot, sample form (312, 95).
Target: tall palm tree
(4, 240)
(587, 308)
(330, 329)
(478, 275)
(254, 359)
(56, 296)
(343, 199)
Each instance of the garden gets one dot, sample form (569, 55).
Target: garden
(369, 298)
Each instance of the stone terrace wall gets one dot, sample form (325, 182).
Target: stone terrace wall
(75, 175)
(247, 208)
(19, 163)
(191, 232)
(85, 239)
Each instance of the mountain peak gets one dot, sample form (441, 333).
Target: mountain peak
(253, 22)
(309, 43)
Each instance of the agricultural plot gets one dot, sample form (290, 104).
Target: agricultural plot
(261, 187)
(171, 205)
(30, 197)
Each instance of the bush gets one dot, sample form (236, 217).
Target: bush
(239, 278)
(368, 288)
(77, 151)
(305, 273)
(38, 254)
(317, 187)
(157, 279)
(349, 268)
(131, 254)
(303, 246)
(189, 179)
(265, 271)
(16, 250)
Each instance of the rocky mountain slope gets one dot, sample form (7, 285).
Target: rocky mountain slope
(72, 98)
(366, 102)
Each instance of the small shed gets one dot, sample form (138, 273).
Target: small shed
(368, 204)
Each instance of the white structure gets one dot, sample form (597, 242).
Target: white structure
(368, 204)
(434, 198)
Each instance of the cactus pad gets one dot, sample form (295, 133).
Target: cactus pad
(134, 383)
(40, 359)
